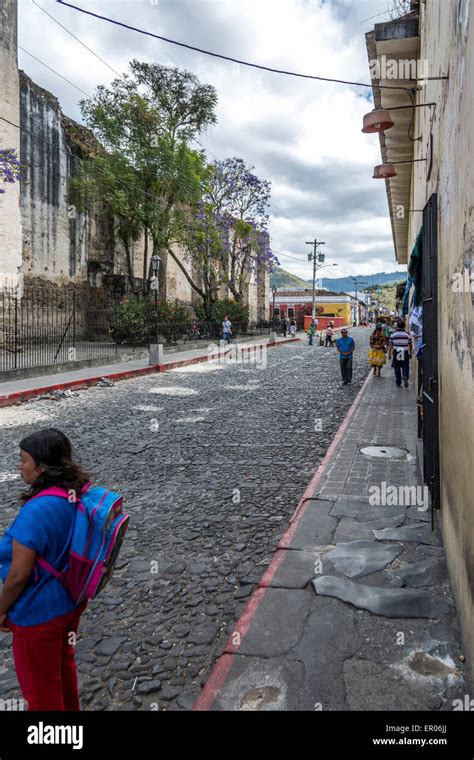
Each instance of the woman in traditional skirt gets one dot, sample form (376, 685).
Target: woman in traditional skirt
(378, 349)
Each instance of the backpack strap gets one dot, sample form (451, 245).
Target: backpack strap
(57, 491)
(47, 566)
(52, 491)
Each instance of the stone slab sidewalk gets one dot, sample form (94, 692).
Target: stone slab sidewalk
(355, 611)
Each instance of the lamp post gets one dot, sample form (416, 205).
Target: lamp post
(155, 265)
(274, 291)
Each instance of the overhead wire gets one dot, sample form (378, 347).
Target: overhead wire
(220, 55)
(273, 220)
(271, 203)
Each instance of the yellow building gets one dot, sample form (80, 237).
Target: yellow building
(341, 308)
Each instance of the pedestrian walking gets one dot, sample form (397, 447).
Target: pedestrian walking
(378, 349)
(226, 329)
(311, 331)
(401, 347)
(284, 326)
(329, 334)
(34, 605)
(345, 346)
(293, 328)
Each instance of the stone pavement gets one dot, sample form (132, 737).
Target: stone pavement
(211, 459)
(33, 386)
(355, 611)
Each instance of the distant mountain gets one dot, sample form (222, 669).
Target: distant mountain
(367, 280)
(284, 280)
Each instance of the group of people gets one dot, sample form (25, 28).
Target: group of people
(328, 337)
(288, 327)
(391, 339)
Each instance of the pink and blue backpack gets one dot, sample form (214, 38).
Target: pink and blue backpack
(98, 531)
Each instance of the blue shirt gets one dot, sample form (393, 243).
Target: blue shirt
(346, 347)
(44, 525)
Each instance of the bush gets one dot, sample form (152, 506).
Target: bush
(132, 321)
(236, 312)
(135, 322)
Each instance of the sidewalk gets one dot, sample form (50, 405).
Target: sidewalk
(355, 611)
(16, 391)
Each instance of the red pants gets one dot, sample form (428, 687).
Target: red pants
(45, 664)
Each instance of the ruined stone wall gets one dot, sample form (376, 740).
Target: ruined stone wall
(42, 235)
(10, 224)
(59, 242)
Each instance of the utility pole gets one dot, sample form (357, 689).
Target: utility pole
(315, 257)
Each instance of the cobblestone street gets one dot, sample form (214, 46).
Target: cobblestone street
(212, 460)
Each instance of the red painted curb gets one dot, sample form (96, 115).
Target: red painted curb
(19, 396)
(223, 665)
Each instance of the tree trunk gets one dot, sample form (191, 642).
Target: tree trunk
(194, 286)
(131, 278)
(145, 264)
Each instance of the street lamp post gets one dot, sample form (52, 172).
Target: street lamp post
(274, 291)
(155, 265)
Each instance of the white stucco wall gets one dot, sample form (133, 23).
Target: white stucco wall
(447, 42)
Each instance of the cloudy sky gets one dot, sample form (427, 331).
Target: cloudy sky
(302, 135)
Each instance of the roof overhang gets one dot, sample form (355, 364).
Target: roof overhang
(396, 41)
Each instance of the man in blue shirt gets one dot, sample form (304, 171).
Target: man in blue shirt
(345, 346)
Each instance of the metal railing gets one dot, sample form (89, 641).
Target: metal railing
(176, 333)
(47, 326)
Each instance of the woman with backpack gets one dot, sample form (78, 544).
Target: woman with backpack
(34, 604)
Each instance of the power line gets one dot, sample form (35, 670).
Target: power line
(54, 72)
(271, 203)
(181, 184)
(90, 50)
(71, 155)
(77, 38)
(225, 57)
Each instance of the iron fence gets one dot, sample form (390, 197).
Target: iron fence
(175, 333)
(47, 325)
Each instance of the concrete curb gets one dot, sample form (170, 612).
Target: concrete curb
(20, 396)
(224, 663)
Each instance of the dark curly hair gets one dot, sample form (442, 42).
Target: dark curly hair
(52, 450)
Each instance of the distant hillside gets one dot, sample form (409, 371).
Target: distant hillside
(284, 280)
(367, 280)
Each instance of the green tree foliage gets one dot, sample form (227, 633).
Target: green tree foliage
(237, 313)
(143, 121)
